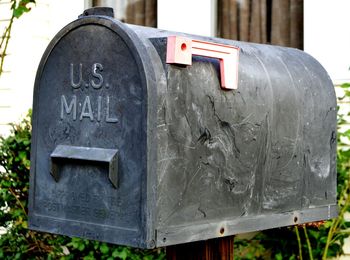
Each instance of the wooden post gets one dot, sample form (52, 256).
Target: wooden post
(213, 249)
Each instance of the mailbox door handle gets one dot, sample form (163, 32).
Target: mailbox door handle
(181, 49)
(67, 152)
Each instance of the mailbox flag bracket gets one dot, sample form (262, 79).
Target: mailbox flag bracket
(181, 49)
(67, 152)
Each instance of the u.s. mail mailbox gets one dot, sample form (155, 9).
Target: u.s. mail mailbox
(150, 138)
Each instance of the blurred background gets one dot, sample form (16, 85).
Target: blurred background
(319, 27)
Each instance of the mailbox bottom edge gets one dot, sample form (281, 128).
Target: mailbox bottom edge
(172, 235)
(104, 233)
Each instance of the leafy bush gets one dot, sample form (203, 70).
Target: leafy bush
(19, 242)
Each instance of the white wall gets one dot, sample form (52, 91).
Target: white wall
(29, 38)
(327, 35)
(189, 16)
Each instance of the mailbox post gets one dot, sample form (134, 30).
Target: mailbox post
(213, 249)
(150, 138)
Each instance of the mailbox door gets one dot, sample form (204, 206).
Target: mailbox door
(89, 134)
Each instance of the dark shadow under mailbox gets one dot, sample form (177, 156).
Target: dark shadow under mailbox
(131, 150)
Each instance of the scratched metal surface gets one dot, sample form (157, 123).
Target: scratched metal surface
(195, 161)
(268, 147)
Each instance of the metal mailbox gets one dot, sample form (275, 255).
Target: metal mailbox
(149, 138)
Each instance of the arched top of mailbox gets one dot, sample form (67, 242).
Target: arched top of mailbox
(133, 42)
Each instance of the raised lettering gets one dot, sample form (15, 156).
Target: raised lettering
(108, 118)
(68, 109)
(80, 73)
(97, 76)
(86, 111)
(99, 103)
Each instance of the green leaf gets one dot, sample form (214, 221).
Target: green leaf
(25, 224)
(104, 248)
(120, 253)
(81, 247)
(345, 85)
(21, 8)
(279, 256)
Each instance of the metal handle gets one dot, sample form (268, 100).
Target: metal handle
(181, 49)
(109, 156)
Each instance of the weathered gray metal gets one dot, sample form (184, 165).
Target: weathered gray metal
(194, 161)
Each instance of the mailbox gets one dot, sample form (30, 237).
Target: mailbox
(149, 138)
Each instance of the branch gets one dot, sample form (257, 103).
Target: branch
(6, 44)
(18, 201)
(308, 243)
(299, 242)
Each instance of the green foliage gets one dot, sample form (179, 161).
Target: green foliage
(18, 243)
(21, 243)
(89, 250)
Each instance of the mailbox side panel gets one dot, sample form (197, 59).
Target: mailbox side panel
(258, 157)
